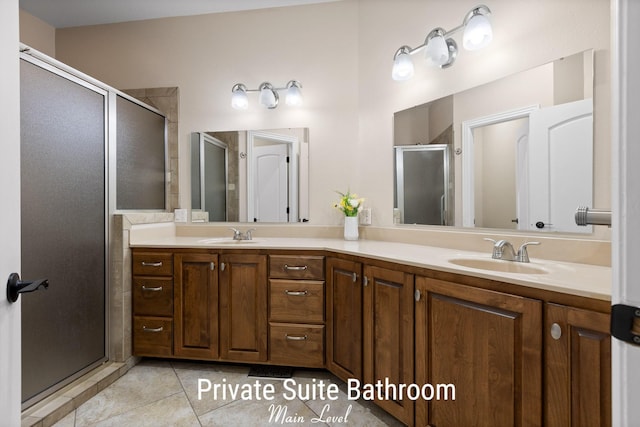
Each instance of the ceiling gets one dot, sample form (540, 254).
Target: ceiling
(74, 13)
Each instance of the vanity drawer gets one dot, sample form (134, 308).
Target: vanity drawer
(152, 336)
(296, 267)
(153, 263)
(297, 345)
(296, 301)
(152, 296)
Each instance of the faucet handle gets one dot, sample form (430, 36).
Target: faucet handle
(523, 254)
(236, 233)
(488, 239)
(248, 233)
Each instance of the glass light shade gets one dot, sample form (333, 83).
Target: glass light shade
(437, 52)
(268, 98)
(402, 67)
(294, 96)
(239, 100)
(477, 33)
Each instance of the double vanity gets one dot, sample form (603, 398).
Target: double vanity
(522, 343)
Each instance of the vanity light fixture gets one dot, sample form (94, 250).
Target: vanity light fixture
(268, 96)
(439, 46)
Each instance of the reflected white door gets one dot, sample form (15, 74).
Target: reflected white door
(560, 152)
(10, 351)
(271, 174)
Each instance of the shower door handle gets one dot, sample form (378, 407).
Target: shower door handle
(15, 286)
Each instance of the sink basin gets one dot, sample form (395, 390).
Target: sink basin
(225, 241)
(498, 265)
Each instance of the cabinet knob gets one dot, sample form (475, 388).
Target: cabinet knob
(556, 331)
(365, 281)
(212, 266)
(222, 266)
(354, 277)
(417, 295)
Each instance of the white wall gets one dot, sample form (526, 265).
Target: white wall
(342, 53)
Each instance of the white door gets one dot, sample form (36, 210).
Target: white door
(560, 152)
(271, 174)
(626, 203)
(10, 213)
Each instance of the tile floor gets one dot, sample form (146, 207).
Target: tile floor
(165, 393)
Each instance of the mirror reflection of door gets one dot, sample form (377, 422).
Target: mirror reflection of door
(272, 177)
(211, 193)
(422, 183)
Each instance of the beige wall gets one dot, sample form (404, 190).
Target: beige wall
(37, 34)
(342, 53)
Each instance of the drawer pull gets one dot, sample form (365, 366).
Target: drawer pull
(297, 293)
(295, 337)
(152, 264)
(156, 289)
(160, 329)
(294, 267)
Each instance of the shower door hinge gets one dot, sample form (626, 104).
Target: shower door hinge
(622, 320)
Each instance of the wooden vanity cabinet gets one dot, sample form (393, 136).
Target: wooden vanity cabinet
(196, 306)
(577, 367)
(243, 307)
(296, 310)
(152, 293)
(388, 335)
(486, 343)
(344, 318)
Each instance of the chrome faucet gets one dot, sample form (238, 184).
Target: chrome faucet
(239, 235)
(503, 250)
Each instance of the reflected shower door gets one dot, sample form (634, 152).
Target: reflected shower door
(421, 180)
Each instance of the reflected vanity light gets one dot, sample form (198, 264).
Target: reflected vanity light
(439, 46)
(268, 95)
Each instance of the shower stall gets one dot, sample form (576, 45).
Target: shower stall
(73, 133)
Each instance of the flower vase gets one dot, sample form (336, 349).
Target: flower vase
(350, 228)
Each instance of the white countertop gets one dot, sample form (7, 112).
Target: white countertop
(576, 279)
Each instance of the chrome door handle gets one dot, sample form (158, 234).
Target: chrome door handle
(160, 329)
(294, 267)
(296, 337)
(156, 289)
(296, 293)
(152, 264)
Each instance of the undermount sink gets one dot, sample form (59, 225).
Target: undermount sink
(498, 265)
(225, 241)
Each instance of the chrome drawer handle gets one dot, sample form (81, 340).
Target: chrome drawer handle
(297, 293)
(152, 264)
(157, 289)
(294, 267)
(295, 337)
(160, 329)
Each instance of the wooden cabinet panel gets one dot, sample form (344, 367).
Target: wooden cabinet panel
(577, 368)
(153, 296)
(196, 306)
(296, 344)
(152, 263)
(152, 336)
(296, 301)
(296, 267)
(243, 307)
(388, 334)
(344, 318)
(488, 345)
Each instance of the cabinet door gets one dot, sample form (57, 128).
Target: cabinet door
(488, 345)
(577, 367)
(344, 318)
(388, 334)
(243, 307)
(196, 306)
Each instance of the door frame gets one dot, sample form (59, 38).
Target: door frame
(10, 314)
(625, 246)
(468, 126)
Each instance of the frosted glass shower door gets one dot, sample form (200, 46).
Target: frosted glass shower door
(63, 227)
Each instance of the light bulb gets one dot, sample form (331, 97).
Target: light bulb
(402, 66)
(477, 32)
(239, 99)
(437, 52)
(294, 95)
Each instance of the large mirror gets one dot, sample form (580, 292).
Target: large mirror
(250, 175)
(519, 150)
